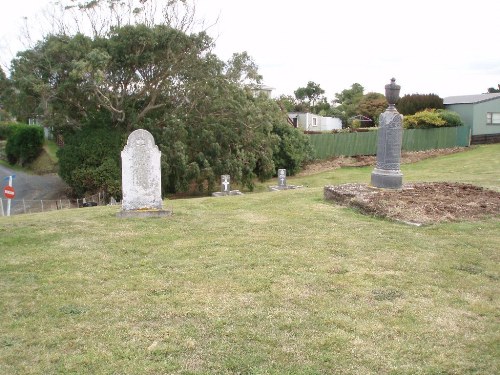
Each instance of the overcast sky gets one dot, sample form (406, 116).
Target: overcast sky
(441, 46)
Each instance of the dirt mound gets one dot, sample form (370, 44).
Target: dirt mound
(419, 203)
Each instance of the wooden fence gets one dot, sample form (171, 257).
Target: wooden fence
(365, 143)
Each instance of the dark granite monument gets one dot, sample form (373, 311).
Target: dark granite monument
(387, 173)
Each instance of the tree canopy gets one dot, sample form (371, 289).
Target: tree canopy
(372, 105)
(492, 90)
(413, 103)
(95, 89)
(312, 92)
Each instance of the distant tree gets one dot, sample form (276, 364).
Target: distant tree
(97, 17)
(322, 107)
(348, 101)
(372, 105)
(5, 96)
(411, 104)
(492, 90)
(350, 96)
(241, 69)
(287, 102)
(46, 83)
(312, 92)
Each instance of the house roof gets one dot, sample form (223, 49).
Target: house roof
(470, 99)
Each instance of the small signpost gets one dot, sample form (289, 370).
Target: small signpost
(9, 193)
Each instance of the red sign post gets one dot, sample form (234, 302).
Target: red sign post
(9, 192)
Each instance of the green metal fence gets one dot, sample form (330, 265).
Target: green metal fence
(365, 143)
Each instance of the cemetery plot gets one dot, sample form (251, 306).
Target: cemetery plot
(419, 203)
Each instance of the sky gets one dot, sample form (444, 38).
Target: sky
(441, 47)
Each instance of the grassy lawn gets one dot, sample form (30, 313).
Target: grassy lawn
(264, 283)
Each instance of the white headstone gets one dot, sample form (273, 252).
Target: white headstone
(141, 172)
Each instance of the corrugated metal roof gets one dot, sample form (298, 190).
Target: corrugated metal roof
(470, 99)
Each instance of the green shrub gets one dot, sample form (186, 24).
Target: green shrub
(89, 162)
(411, 104)
(7, 128)
(451, 118)
(293, 148)
(423, 120)
(24, 144)
(432, 119)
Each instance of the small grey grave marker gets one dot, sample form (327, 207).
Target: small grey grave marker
(281, 178)
(225, 187)
(282, 184)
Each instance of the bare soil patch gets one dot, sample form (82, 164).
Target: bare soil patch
(419, 203)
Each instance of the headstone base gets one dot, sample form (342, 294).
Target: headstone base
(125, 214)
(286, 187)
(387, 179)
(225, 193)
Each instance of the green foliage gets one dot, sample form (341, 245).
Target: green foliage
(492, 90)
(372, 105)
(6, 94)
(45, 83)
(411, 104)
(293, 148)
(451, 118)
(200, 110)
(348, 101)
(8, 128)
(90, 159)
(24, 144)
(423, 120)
(287, 103)
(242, 69)
(312, 92)
(432, 119)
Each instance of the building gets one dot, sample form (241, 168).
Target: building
(261, 90)
(311, 122)
(480, 112)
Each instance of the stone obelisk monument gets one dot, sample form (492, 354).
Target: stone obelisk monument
(387, 173)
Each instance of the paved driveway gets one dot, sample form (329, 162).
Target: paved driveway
(31, 187)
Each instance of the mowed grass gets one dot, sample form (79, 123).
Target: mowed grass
(264, 283)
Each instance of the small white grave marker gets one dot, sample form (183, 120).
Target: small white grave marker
(225, 187)
(225, 183)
